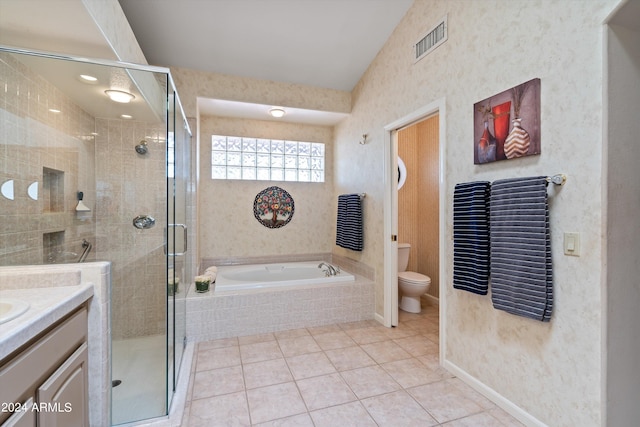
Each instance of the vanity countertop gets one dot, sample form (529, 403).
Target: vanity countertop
(47, 305)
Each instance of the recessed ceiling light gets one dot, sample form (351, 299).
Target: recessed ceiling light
(54, 110)
(119, 96)
(88, 79)
(277, 112)
(126, 116)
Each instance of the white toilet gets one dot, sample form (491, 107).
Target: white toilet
(411, 284)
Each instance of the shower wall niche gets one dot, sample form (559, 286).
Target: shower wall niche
(52, 190)
(47, 148)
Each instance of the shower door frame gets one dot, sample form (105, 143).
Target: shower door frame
(178, 253)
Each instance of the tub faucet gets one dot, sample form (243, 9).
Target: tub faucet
(331, 270)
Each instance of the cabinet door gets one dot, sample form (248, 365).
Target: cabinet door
(24, 418)
(63, 398)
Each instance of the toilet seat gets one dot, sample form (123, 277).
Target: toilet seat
(413, 278)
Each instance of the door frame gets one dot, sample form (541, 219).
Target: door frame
(438, 106)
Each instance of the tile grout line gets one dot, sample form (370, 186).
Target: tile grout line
(294, 381)
(342, 328)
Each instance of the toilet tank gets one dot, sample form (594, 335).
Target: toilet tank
(403, 256)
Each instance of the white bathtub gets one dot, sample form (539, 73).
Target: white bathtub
(264, 298)
(261, 276)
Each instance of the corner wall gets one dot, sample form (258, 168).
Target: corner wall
(227, 226)
(548, 373)
(623, 227)
(194, 84)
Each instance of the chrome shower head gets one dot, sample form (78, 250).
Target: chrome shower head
(142, 147)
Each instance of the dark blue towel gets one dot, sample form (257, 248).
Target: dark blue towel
(521, 273)
(349, 222)
(471, 237)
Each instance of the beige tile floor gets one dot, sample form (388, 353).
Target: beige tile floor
(350, 374)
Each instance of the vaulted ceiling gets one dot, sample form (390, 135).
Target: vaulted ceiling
(323, 43)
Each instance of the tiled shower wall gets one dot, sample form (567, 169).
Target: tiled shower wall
(130, 184)
(56, 150)
(63, 154)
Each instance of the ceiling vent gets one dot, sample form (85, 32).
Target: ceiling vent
(434, 38)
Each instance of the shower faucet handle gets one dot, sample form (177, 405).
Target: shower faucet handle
(143, 222)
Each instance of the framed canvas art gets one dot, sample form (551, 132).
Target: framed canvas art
(507, 125)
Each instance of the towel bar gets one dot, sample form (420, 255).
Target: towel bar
(558, 179)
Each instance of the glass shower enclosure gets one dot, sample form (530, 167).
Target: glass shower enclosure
(95, 165)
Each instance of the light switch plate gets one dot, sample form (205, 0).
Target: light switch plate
(572, 244)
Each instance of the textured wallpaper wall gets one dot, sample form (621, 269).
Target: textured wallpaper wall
(551, 370)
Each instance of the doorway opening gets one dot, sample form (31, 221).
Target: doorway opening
(419, 139)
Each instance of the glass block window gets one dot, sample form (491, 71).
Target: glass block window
(234, 157)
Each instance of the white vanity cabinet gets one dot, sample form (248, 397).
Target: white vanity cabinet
(45, 384)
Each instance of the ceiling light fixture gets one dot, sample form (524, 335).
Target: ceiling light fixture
(126, 116)
(277, 112)
(55, 110)
(120, 96)
(88, 79)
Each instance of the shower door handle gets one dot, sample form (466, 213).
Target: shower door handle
(184, 239)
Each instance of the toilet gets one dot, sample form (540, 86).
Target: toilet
(410, 284)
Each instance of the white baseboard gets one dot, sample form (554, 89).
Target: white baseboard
(504, 403)
(379, 318)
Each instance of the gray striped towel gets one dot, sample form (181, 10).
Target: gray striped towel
(471, 237)
(349, 222)
(521, 273)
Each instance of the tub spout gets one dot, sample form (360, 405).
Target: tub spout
(331, 270)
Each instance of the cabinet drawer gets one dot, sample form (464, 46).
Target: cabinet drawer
(31, 367)
(65, 393)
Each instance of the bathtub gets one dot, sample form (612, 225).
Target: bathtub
(266, 276)
(264, 298)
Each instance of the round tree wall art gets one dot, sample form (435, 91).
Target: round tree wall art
(273, 207)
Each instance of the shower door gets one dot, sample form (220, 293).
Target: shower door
(148, 339)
